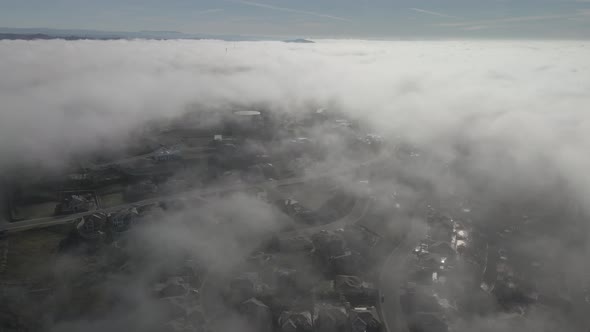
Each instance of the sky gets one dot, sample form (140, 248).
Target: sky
(555, 19)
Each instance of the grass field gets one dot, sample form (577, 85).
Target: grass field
(312, 196)
(113, 199)
(34, 211)
(31, 254)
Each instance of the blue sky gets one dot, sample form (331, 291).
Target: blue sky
(312, 18)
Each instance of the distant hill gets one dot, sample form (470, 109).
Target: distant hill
(303, 41)
(76, 34)
(64, 33)
(37, 36)
(14, 36)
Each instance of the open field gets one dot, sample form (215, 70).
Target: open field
(34, 211)
(310, 195)
(113, 199)
(32, 253)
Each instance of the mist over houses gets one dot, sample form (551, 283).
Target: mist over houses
(260, 221)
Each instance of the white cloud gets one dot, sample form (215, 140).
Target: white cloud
(521, 106)
(60, 96)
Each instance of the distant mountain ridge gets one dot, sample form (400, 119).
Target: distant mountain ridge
(300, 40)
(75, 34)
(15, 36)
(41, 36)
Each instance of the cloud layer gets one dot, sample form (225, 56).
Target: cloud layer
(524, 102)
(515, 110)
(61, 96)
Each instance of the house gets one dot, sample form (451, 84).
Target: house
(427, 322)
(347, 263)
(420, 274)
(122, 220)
(290, 284)
(330, 318)
(257, 314)
(421, 249)
(80, 178)
(260, 259)
(296, 244)
(298, 146)
(76, 203)
(374, 141)
(416, 298)
(325, 290)
(295, 321)
(173, 287)
(90, 227)
(245, 286)
(355, 290)
(442, 248)
(328, 244)
(286, 279)
(165, 154)
(347, 283)
(431, 262)
(361, 239)
(294, 209)
(364, 319)
(140, 190)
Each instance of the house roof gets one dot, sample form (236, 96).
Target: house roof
(254, 302)
(364, 317)
(291, 321)
(344, 281)
(329, 315)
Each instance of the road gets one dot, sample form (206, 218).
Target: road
(193, 194)
(392, 277)
(390, 280)
(359, 210)
(186, 153)
(210, 290)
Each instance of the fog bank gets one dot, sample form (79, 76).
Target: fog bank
(509, 118)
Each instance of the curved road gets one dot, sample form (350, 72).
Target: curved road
(360, 208)
(195, 194)
(210, 297)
